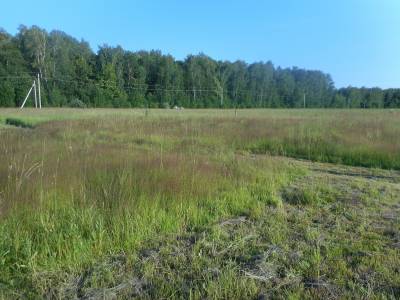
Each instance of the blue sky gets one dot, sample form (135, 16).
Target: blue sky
(356, 41)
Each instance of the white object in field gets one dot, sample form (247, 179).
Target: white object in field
(29, 92)
(40, 97)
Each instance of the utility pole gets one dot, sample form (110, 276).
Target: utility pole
(34, 89)
(40, 97)
(222, 97)
(304, 100)
(27, 95)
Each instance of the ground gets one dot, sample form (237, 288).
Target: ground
(193, 204)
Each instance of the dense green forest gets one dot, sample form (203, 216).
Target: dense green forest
(113, 77)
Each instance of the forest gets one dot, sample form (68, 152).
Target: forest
(72, 74)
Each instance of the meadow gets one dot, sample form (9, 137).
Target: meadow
(199, 204)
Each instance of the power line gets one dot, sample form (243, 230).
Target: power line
(141, 86)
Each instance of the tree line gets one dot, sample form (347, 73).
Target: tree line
(113, 77)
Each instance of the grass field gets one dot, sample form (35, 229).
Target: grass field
(196, 204)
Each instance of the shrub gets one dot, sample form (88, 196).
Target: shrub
(18, 123)
(76, 103)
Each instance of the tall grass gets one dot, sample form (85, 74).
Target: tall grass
(74, 191)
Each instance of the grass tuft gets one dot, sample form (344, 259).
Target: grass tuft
(18, 123)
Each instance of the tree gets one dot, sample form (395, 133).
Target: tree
(115, 77)
(34, 44)
(7, 94)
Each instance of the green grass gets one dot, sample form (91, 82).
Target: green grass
(104, 203)
(326, 151)
(18, 123)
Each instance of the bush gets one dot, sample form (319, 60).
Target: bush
(18, 123)
(76, 103)
(120, 103)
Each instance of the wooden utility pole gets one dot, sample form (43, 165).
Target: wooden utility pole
(304, 100)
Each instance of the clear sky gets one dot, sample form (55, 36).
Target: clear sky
(356, 41)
